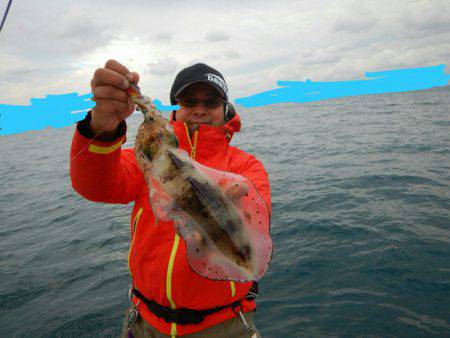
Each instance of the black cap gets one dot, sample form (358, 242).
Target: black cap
(199, 72)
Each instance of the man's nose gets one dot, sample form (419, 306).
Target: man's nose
(200, 107)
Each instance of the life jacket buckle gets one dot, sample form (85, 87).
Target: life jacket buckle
(251, 295)
(130, 297)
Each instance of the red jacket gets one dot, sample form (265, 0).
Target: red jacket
(103, 172)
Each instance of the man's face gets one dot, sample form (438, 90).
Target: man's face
(200, 103)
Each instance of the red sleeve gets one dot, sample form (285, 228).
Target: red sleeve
(255, 172)
(102, 172)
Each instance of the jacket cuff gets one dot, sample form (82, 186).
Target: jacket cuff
(85, 130)
(86, 140)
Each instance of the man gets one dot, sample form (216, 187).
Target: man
(171, 299)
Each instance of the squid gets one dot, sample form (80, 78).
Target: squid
(227, 235)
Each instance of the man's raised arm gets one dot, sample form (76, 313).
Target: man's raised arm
(100, 171)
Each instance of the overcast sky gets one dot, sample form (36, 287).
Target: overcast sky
(53, 47)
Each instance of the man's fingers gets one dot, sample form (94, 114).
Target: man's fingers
(135, 79)
(112, 106)
(122, 70)
(117, 67)
(110, 92)
(104, 76)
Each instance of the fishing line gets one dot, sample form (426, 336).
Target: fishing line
(95, 136)
(5, 15)
(87, 145)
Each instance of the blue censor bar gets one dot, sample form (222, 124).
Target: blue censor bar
(52, 111)
(63, 110)
(55, 111)
(390, 81)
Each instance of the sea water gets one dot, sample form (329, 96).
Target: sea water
(360, 224)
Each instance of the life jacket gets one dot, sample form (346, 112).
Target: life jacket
(157, 256)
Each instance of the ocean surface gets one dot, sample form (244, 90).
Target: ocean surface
(360, 224)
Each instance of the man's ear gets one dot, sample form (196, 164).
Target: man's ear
(229, 111)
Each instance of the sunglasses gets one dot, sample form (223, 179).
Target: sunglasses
(191, 102)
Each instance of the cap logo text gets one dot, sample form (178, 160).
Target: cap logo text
(217, 80)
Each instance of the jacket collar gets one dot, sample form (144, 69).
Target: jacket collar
(212, 142)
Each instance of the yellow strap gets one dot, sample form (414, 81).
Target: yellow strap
(173, 330)
(187, 132)
(135, 223)
(194, 149)
(105, 150)
(170, 270)
(233, 289)
(192, 146)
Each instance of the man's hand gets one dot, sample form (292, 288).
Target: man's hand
(112, 102)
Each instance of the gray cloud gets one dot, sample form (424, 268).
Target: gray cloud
(164, 66)
(323, 56)
(55, 47)
(81, 35)
(164, 37)
(216, 36)
(356, 24)
(435, 19)
(55, 35)
(231, 54)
